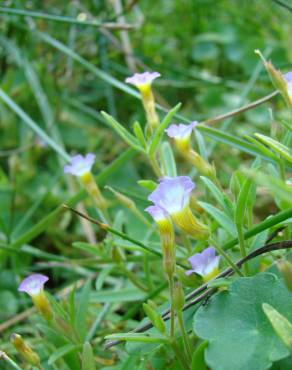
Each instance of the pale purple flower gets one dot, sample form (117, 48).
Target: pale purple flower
(145, 78)
(180, 131)
(204, 263)
(288, 79)
(33, 284)
(172, 194)
(157, 213)
(80, 164)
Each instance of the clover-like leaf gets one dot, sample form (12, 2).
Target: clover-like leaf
(239, 334)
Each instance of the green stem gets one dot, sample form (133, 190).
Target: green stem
(282, 171)
(172, 313)
(225, 256)
(242, 246)
(187, 242)
(155, 166)
(9, 361)
(185, 336)
(133, 279)
(58, 18)
(180, 356)
(147, 271)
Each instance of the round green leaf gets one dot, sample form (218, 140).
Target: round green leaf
(239, 334)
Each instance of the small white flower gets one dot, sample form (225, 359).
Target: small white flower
(181, 131)
(33, 284)
(140, 79)
(80, 164)
(204, 263)
(172, 194)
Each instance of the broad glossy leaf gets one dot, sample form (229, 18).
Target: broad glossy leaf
(239, 334)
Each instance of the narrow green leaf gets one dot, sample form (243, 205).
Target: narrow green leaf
(198, 360)
(167, 160)
(83, 302)
(278, 147)
(147, 184)
(89, 248)
(122, 132)
(89, 66)
(62, 351)
(137, 337)
(220, 217)
(158, 134)
(33, 125)
(262, 148)
(102, 276)
(58, 18)
(88, 360)
(241, 203)
(155, 318)
(221, 198)
(280, 323)
(277, 187)
(233, 141)
(139, 134)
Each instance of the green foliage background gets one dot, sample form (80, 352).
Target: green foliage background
(204, 50)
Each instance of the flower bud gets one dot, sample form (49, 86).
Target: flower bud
(178, 296)
(25, 350)
(127, 202)
(91, 187)
(283, 83)
(205, 168)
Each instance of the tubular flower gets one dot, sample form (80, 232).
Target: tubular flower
(205, 264)
(80, 166)
(181, 134)
(33, 285)
(25, 350)
(166, 235)
(143, 82)
(173, 196)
